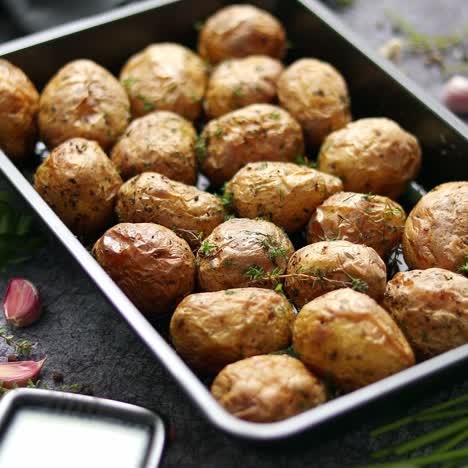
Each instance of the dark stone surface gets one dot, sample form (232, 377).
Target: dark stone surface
(89, 343)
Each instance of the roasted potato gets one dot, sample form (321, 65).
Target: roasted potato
(267, 388)
(83, 100)
(80, 184)
(165, 76)
(162, 142)
(210, 330)
(260, 132)
(153, 198)
(315, 94)
(347, 337)
(152, 266)
(431, 307)
(324, 266)
(241, 82)
(372, 220)
(19, 103)
(372, 155)
(285, 193)
(239, 31)
(436, 231)
(241, 253)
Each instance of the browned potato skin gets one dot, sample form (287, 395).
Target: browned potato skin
(238, 83)
(241, 30)
(284, 193)
(259, 132)
(346, 336)
(213, 329)
(153, 198)
(324, 266)
(431, 307)
(19, 103)
(372, 155)
(267, 388)
(316, 94)
(152, 266)
(234, 247)
(165, 76)
(436, 231)
(372, 220)
(161, 142)
(83, 100)
(80, 184)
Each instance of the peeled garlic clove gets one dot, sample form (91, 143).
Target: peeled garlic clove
(19, 373)
(21, 303)
(455, 94)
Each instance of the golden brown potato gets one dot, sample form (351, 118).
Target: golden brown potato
(162, 142)
(316, 94)
(372, 155)
(436, 231)
(324, 266)
(19, 103)
(239, 83)
(259, 132)
(267, 388)
(284, 193)
(210, 330)
(80, 184)
(154, 267)
(372, 220)
(165, 76)
(83, 100)
(239, 31)
(153, 198)
(431, 307)
(346, 336)
(241, 253)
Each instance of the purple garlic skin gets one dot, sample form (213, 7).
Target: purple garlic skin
(455, 94)
(21, 303)
(19, 373)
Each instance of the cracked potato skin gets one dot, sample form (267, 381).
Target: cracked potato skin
(268, 388)
(19, 104)
(152, 266)
(213, 329)
(431, 307)
(80, 184)
(284, 193)
(83, 100)
(436, 231)
(347, 337)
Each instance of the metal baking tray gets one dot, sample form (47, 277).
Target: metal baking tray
(377, 89)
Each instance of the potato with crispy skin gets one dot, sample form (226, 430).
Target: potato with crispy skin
(324, 266)
(83, 100)
(347, 337)
(268, 388)
(19, 103)
(284, 193)
(153, 198)
(152, 266)
(80, 184)
(213, 329)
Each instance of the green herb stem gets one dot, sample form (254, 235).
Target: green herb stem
(423, 460)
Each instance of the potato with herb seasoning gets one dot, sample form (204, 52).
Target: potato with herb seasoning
(80, 184)
(83, 100)
(153, 266)
(210, 330)
(324, 266)
(348, 338)
(241, 253)
(259, 132)
(153, 198)
(165, 76)
(284, 193)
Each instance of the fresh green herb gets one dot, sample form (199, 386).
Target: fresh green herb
(368, 196)
(228, 217)
(23, 347)
(357, 284)
(238, 92)
(273, 249)
(206, 249)
(463, 269)
(200, 148)
(229, 292)
(289, 351)
(218, 132)
(129, 81)
(198, 25)
(254, 272)
(147, 104)
(302, 160)
(275, 115)
(226, 198)
(279, 289)
(228, 262)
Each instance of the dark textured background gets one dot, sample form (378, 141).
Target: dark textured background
(90, 344)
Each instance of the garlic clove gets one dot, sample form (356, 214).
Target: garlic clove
(19, 373)
(21, 304)
(455, 94)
